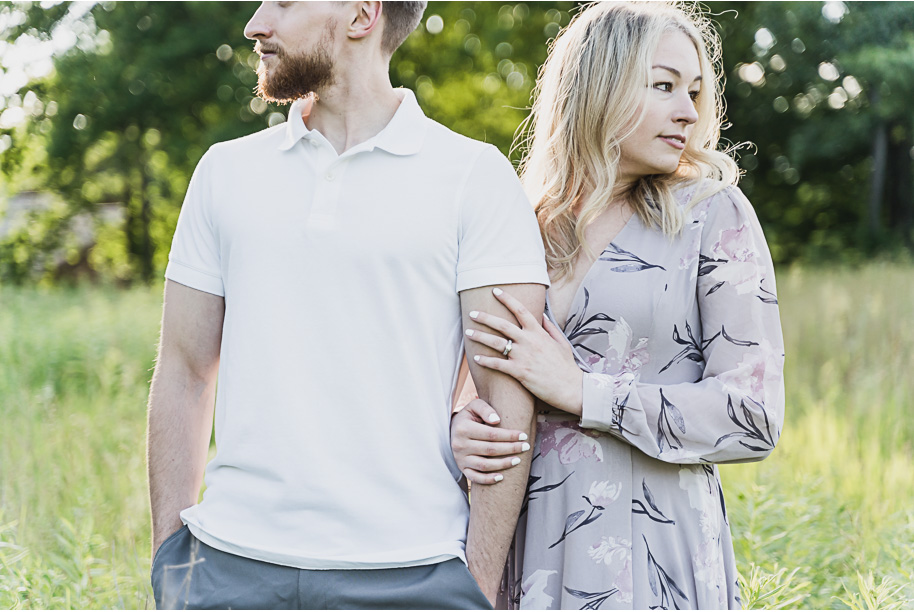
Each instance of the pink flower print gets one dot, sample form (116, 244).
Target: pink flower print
(623, 582)
(757, 370)
(741, 269)
(570, 443)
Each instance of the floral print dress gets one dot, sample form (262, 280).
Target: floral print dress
(683, 357)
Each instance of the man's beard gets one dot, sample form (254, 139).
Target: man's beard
(296, 76)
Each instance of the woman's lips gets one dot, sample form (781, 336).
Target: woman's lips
(677, 142)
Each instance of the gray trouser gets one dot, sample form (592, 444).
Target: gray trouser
(186, 573)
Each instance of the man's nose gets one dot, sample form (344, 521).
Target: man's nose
(259, 26)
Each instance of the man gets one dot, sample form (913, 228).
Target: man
(324, 272)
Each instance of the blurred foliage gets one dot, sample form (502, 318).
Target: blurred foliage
(144, 88)
(813, 86)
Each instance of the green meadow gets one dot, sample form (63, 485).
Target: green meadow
(826, 522)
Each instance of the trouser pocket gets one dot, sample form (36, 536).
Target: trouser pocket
(170, 556)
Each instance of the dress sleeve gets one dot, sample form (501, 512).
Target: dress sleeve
(735, 411)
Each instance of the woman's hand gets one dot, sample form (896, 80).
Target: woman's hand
(539, 356)
(481, 449)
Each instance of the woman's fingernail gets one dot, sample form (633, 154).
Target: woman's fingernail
(496, 291)
(493, 418)
(499, 477)
(476, 358)
(522, 437)
(474, 314)
(469, 332)
(525, 447)
(515, 461)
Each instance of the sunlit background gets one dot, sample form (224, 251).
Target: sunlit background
(105, 109)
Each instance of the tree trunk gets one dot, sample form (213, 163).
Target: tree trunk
(899, 180)
(145, 239)
(877, 179)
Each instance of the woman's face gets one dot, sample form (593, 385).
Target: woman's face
(669, 110)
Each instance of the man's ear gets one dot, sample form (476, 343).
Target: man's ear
(366, 19)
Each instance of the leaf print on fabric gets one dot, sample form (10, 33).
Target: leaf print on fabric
(665, 434)
(706, 264)
(571, 443)
(694, 347)
(767, 296)
(531, 481)
(661, 584)
(749, 429)
(594, 600)
(731, 340)
(533, 591)
(638, 506)
(634, 263)
(601, 494)
(580, 329)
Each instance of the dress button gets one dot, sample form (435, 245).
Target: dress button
(313, 143)
(329, 176)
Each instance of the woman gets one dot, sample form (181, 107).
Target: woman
(662, 354)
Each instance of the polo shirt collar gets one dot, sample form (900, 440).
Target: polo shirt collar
(403, 134)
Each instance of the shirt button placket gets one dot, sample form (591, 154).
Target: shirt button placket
(326, 196)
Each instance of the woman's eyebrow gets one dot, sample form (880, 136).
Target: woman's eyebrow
(674, 71)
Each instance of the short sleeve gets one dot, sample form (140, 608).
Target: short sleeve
(499, 240)
(194, 260)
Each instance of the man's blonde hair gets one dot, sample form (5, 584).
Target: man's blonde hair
(587, 100)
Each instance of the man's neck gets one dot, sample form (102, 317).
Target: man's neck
(353, 110)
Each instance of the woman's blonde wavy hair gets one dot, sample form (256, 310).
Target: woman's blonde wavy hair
(588, 99)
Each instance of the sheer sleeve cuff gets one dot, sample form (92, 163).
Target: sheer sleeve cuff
(604, 398)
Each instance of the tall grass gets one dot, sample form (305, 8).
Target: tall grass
(826, 522)
(74, 521)
(833, 504)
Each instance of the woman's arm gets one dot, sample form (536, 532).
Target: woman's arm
(736, 411)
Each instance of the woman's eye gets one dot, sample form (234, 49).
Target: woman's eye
(663, 86)
(694, 95)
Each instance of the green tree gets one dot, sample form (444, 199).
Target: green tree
(822, 90)
(128, 114)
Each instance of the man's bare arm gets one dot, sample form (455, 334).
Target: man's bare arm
(181, 402)
(494, 508)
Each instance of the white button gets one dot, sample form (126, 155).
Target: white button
(329, 176)
(313, 142)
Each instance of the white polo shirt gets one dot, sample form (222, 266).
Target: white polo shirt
(343, 335)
